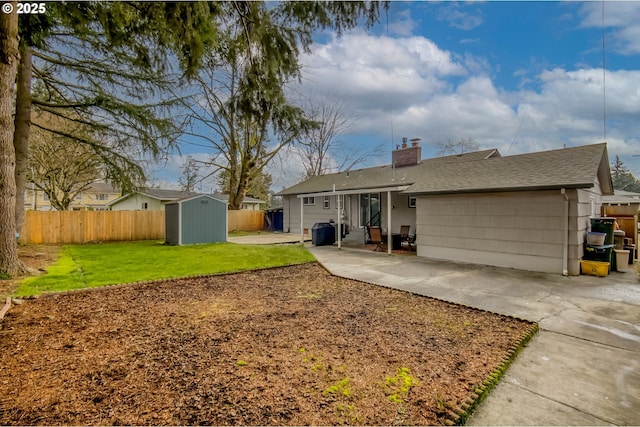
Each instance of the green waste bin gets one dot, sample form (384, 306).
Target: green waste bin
(604, 225)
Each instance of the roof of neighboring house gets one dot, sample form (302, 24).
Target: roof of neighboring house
(575, 167)
(101, 187)
(165, 196)
(621, 196)
(380, 176)
(247, 199)
(155, 193)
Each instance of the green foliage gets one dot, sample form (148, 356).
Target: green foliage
(83, 266)
(341, 387)
(398, 386)
(622, 178)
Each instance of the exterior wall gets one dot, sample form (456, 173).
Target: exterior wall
(204, 220)
(315, 213)
(134, 203)
(401, 213)
(172, 224)
(523, 230)
(85, 200)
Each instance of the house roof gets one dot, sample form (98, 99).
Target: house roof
(247, 199)
(575, 167)
(154, 193)
(621, 196)
(166, 196)
(380, 176)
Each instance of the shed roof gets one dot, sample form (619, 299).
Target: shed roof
(485, 171)
(197, 196)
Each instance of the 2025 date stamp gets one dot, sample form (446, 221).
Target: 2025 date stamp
(25, 8)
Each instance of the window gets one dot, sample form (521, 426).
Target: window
(412, 202)
(78, 197)
(309, 201)
(101, 196)
(145, 206)
(45, 197)
(326, 203)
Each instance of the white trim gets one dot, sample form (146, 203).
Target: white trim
(360, 191)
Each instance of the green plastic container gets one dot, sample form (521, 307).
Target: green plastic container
(604, 225)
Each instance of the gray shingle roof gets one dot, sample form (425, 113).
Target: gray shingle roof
(380, 176)
(575, 167)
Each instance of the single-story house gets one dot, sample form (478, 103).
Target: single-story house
(528, 211)
(156, 198)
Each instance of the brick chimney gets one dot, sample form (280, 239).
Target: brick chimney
(407, 156)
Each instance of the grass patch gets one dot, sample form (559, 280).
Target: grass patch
(84, 266)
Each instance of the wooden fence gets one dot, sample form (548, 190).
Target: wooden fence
(59, 227)
(245, 220)
(91, 226)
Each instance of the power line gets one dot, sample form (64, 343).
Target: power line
(604, 80)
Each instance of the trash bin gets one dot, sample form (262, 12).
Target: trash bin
(322, 233)
(622, 259)
(604, 225)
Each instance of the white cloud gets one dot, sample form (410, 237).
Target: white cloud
(459, 17)
(624, 18)
(408, 86)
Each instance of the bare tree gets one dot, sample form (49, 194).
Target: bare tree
(60, 166)
(190, 175)
(321, 148)
(465, 145)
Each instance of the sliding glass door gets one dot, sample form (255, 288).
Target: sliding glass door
(370, 209)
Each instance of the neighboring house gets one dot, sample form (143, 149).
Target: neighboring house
(528, 211)
(156, 199)
(248, 204)
(96, 197)
(152, 199)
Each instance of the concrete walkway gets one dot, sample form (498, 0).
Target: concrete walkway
(584, 366)
(268, 238)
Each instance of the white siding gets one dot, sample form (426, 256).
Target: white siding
(134, 203)
(523, 230)
(317, 213)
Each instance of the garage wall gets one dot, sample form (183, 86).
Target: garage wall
(523, 230)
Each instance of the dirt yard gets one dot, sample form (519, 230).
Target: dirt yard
(285, 346)
(36, 258)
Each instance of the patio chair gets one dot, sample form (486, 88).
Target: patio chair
(406, 238)
(375, 238)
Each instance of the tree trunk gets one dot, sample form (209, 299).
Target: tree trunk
(22, 128)
(9, 262)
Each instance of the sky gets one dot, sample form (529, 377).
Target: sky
(517, 76)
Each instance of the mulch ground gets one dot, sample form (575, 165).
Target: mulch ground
(284, 346)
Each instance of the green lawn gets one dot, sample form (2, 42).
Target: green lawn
(85, 266)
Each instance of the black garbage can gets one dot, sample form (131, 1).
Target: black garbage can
(322, 233)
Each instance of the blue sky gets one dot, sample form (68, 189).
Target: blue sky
(517, 76)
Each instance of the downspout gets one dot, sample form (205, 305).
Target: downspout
(565, 248)
(339, 219)
(389, 237)
(301, 220)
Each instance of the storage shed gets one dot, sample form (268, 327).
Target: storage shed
(196, 219)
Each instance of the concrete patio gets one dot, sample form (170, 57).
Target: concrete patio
(584, 366)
